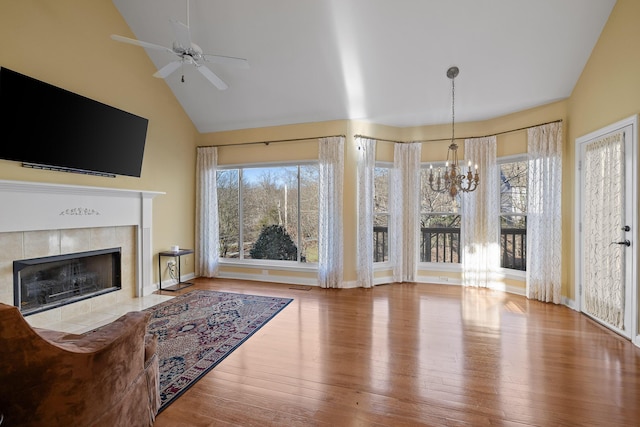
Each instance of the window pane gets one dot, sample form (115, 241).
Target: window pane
(433, 201)
(381, 214)
(439, 222)
(309, 220)
(381, 190)
(269, 196)
(228, 213)
(513, 187)
(513, 221)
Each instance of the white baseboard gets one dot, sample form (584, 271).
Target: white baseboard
(570, 303)
(349, 284)
(439, 280)
(510, 289)
(148, 290)
(382, 281)
(289, 280)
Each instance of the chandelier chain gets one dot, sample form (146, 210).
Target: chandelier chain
(453, 110)
(454, 180)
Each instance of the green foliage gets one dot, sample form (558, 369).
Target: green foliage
(271, 215)
(274, 243)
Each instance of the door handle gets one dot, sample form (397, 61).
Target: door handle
(627, 243)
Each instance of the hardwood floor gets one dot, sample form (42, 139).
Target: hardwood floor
(415, 354)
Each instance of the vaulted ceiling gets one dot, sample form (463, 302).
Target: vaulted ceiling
(381, 61)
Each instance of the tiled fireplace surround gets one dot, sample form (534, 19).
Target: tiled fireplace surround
(38, 220)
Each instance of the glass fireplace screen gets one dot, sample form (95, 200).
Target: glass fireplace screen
(44, 283)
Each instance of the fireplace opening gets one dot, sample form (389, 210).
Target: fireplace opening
(44, 283)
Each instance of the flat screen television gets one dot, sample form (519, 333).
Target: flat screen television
(44, 126)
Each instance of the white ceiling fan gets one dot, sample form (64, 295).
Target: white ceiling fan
(187, 53)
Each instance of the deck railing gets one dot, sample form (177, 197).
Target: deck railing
(380, 244)
(513, 248)
(442, 244)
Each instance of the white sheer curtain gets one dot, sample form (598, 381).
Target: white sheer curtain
(207, 232)
(404, 211)
(480, 225)
(603, 282)
(544, 226)
(330, 244)
(364, 249)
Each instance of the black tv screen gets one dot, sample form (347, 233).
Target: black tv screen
(43, 125)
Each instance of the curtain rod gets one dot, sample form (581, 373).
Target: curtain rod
(379, 139)
(275, 141)
(466, 137)
(371, 137)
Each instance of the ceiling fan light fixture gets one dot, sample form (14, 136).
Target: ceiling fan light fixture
(187, 52)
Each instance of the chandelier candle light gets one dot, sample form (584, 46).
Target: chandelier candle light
(454, 180)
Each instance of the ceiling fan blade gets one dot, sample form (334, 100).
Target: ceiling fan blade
(139, 43)
(183, 36)
(229, 60)
(167, 69)
(215, 80)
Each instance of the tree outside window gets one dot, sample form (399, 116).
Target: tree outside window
(229, 212)
(439, 223)
(381, 214)
(513, 214)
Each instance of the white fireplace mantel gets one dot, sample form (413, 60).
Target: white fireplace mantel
(30, 206)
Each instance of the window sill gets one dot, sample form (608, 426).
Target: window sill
(457, 267)
(514, 274)
(440, 266)
(381, 266)
(271, 265)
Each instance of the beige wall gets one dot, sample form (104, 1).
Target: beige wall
(608, 91)
(66, 43)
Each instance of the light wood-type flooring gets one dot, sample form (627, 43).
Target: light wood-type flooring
(414, 355)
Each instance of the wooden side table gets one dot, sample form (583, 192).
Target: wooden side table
(174, 254)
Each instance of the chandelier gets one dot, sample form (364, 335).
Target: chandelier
(453, 180)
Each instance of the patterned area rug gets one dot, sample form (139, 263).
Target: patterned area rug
(197, 330)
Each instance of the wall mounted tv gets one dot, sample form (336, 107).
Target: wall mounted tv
(47, 127)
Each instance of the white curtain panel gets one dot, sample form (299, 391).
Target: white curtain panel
(603, 282)
(365, 188)
(404, 211)
(544, 225)
(207, 231)
(330, 245)
(480, 225)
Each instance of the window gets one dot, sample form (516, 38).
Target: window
(269, 213)
(513, 214)
(439, 223)
(381, 213)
